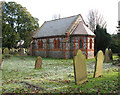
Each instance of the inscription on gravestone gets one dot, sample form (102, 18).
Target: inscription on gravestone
(99, 64)
(80, 70)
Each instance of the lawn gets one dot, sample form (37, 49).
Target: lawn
(56, 76)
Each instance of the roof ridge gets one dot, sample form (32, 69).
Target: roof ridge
(63, 18)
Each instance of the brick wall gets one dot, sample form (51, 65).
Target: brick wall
(67, 49)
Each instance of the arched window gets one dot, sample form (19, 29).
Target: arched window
(55, 44)
(80, 43)
(58, 43)
(47, 41)
(90, 43)
(39, 44)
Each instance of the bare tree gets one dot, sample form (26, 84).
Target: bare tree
(95, 18)
(56, 16)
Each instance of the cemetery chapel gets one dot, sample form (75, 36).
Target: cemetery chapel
(61, 38)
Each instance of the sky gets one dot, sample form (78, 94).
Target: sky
(44, 10)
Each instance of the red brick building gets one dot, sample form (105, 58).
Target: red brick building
(61, 38)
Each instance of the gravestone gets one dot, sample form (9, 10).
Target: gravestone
(99, 64)
(106, 56)
(38, 63)
(110, 55)
(80, 70)
(6, 53)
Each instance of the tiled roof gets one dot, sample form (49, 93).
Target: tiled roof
(60, 26)
(55, 27)
(82, 29)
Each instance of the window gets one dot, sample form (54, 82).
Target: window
(40, 44)
(58, 43)
(47, 41)
(55, 43)
(80, 43)
(90, 43)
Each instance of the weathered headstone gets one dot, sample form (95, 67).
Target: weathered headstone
(38, 63)
(6, 51)
(110, 55)
(80, 70)
(106, 55)
(99, 64)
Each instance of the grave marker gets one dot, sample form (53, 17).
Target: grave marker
(80, 70)
(99, 64)
(110, 55)
(6, 51)
(38, 63)
(107, 57)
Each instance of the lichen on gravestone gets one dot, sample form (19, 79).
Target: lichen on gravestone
(80, 70)
(38, 63)
(99, 64)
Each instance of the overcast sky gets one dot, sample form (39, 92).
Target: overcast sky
(45, 9)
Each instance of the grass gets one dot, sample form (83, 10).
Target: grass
(56, 76)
